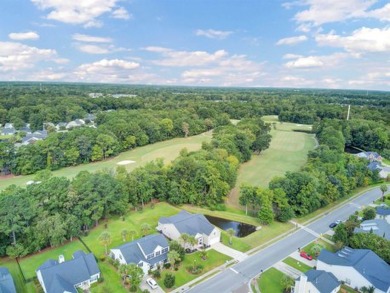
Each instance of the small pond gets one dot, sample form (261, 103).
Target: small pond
(241, 229)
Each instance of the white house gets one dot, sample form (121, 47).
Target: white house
(357, 268)
(75, 123)
(316, 281)
(193, 224)
(66, 276)
(147, 252)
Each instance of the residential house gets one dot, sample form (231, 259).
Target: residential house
(147, 252)
(371, 156)
(26, 128)
(34, 137)
(383, 171)
(193, 224)
(90, 117)
(8, 129)
(383, 212)
(6, 282)
(95, 95)
(357, 268)
(66, 276)
(75, 123)
(379, 227)
(317, 281)
(61, 126)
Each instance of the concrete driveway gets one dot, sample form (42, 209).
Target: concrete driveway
(144, 286)
(310, 263)
(235, 254)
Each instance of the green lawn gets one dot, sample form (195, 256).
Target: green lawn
(237, 243)
(300, 266)
(345, 289)
(269, 281)
(31, 263)
(111, 280)
(214, 259)
(287, 152)
(21, 287)
(321, 242)
(168, 150)
(132, 221)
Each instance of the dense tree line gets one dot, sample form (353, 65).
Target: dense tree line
(57, 209)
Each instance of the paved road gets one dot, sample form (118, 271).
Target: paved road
(239, 275)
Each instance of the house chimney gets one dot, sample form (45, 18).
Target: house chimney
(61, 258)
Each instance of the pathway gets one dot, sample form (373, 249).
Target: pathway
(288, 270)
(235, 254)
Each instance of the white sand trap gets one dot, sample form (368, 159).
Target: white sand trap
(126, 162)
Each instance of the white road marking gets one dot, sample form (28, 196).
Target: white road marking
(234, 271)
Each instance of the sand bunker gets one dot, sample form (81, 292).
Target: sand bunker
(126, 162)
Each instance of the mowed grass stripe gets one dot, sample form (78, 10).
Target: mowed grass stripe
(167, 150)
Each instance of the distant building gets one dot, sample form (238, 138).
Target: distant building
(90, 117)
(75, 123)
(371, 156)
(8, 129)
(6, 282)
(147, 252)
(117, 96)
(357, 268)
(66, 276)
(378, 227)
(317, 281)
(34, 137)
(383, 212)
(95, 95)
(192, 224)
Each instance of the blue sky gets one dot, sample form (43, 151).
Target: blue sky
(262, 43)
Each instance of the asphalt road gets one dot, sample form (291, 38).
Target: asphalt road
(240, 274)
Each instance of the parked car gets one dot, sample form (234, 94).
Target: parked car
(305, 255)
(332, 225)
(152, 283)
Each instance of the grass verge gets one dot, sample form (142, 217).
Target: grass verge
(269, 281)
(300, 266)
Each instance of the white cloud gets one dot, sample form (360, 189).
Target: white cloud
(320, 12)
(16, 56)
(83, 12)
(105, 70)
(121, 13)
(24, 36)
(213, 34)
(90, 39)
(93, 49)
(157, 49)
(292, 40)
(291, 56)
(361, 40)
(186, 58)
(305, 62)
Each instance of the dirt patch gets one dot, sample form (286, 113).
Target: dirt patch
(5, 177)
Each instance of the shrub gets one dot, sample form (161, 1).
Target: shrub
(167, 265)
(156, 274)
(169, 281)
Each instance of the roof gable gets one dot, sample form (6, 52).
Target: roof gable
(191, 224)
(325, 282)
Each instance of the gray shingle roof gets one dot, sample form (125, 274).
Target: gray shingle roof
(366, 262)
(132, 253)
(325, 282)
(189, 223)
(6, 282)
(60, 277)
(378, 226)
(383, 211)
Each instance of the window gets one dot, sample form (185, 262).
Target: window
(158, 252)
(149, 256)
(165, 250)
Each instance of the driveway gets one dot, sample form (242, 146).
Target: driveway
(144, 286)
(310, 263)
(235, 254)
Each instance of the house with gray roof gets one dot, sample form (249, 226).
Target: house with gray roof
(8, 130)
(147, 252)
(317, 281)
(66, 276)
(34, 137)
(378, 226)
(357, 268)
(75, 123)
(383, 212)
(192, 224)
(6, 282)
(371, 156)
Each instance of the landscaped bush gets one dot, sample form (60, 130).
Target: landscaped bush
(195, 269)
(169, 281)
(156, 274)
(167, 265)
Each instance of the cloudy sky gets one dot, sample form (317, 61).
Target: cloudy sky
(272, 43)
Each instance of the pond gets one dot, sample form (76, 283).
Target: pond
(241, 229)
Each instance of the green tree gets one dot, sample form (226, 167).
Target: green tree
(173, 258)
(231, 233)
(135, 275)
(316, 249)
(369, 213)
(287, 283)
(105, 240)
(341, 234)
(124, 234)
(169, 280)
(145, 228)
(132, 233)
(384, 189)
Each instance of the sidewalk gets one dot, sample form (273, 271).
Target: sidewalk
(286, 269)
